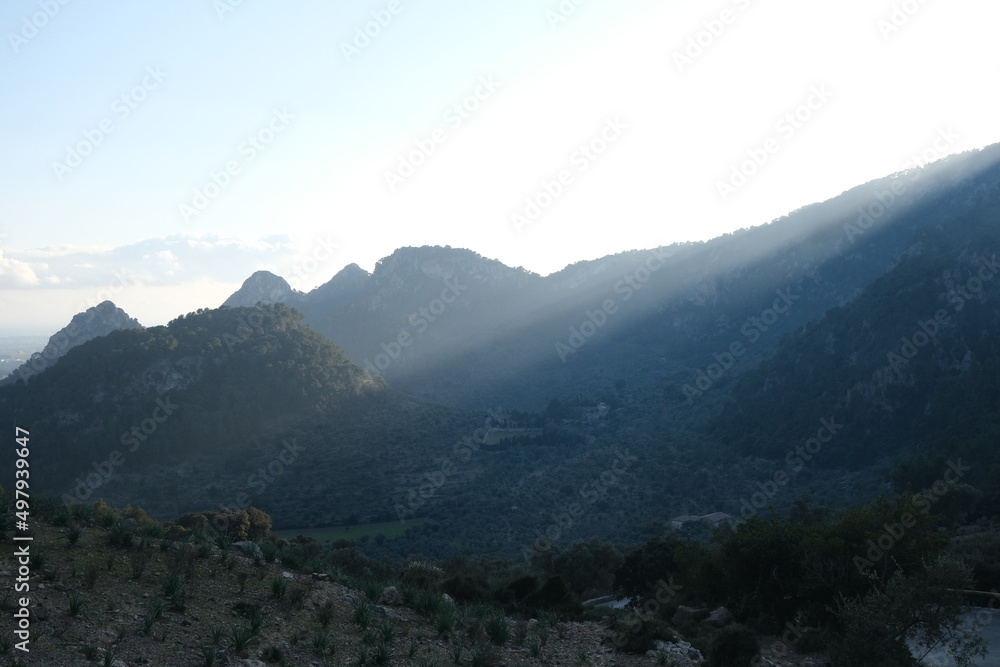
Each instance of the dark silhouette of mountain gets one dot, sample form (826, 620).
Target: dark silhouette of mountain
(100, 320)
(437, 321)
(911, 365)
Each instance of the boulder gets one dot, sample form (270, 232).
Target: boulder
(688, 615)
(391, 596)
(720, 617)
(249, 548)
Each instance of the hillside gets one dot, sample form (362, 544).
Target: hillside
(212, 409)
(435, 321)
(909, 366)
(99, 320)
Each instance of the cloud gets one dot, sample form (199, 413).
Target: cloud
(16, 273)
(173, 260)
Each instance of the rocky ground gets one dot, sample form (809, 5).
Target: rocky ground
(93, 604)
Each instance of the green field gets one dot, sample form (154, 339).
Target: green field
(323, 535)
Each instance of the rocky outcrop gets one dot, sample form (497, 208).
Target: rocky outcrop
(94, 322)
(677, 653)
(263, 286)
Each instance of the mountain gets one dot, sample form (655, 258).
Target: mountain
(100, 320)
(910, 366)
(262, 287)
(647, 384)
(212, 409)
(437, 321)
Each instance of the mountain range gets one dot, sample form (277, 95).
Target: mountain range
(848, 347)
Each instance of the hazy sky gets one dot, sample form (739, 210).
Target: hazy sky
(159, 153)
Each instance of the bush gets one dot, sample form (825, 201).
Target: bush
(733, 646)
(554, 594)
(419, 574)
(464, 588)
(521, 588)
(637, 634)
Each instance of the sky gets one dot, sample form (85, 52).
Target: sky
(157, 154)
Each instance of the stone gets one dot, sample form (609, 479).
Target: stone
(391, 596)
(720, 617)
(385, 611)
(249, 548)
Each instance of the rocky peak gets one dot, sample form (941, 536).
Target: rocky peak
(262, 286)
(349, 281)
(100, 320)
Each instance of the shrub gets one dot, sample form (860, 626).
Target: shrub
(363, 613)
(278, 586)
(422, 575)
(73, 534)
(77, 603)
(172, 585)
(464, 588)
(733, 646)
(138, 559)
(498, 629)
(325, 613)
(554, 594)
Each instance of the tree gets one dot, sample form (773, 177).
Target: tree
(923, 607)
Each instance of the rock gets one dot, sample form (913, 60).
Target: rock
(688, 615)
(349, 598)
(385, 611)
(321, 576)
(391, 596)
(679, 653)
(249, 548)
(288, 575)
(447, 599)
(720, 617)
